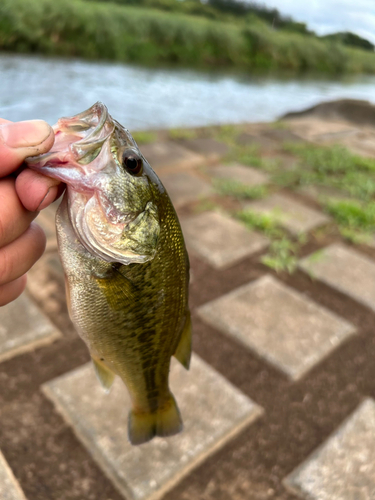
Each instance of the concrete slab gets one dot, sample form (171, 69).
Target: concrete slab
(9, 487)
(169, 154)
(23, 328)
(245, 175)
(292, 215)
(344, 466)
(278, 323)
(344, 269)
(185, 187)
(212, 409)
(211, 149)
(220, 240)
(247, 139)
(282, 135)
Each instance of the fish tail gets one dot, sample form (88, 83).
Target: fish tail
(165, 421)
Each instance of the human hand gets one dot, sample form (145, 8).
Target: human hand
(22, 241)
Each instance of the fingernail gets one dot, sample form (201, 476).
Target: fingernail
(46, 201)
(25, 134)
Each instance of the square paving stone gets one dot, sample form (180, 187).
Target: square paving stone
(343, 468)
(169, 154)
(213, 150)
(280, 324)
(245, 175)
(23, 327)
(247, 139)
(212, 410)
(292, 215)
(9, 487)
(220, 240)
(185, 187)
(282, 135)
(344, 269)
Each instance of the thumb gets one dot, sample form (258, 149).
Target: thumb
(20, 140)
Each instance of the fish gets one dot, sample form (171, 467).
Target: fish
(125, 263)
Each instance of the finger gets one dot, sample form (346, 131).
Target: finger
(14, 218)
(12, 290)
(20, 255)
(36, 191)
(20, 140)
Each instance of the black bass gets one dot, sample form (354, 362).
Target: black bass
(125, 263)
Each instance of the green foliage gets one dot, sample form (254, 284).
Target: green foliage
(239, 190)
(172, 33)
(351, 39)
(182, 133)
(250, 155)
(142, 137)
(103, 30)
(352, 214)
(331, 166)
(282, 253)
(266, 223)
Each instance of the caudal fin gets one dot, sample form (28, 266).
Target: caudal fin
(165, 421)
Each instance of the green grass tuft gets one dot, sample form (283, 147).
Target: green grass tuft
(182, 133)
(239, 190)
(141, 137)
(333, 166)
(282, 254)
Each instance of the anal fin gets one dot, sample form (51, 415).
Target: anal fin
(105, 375)
(183, 351)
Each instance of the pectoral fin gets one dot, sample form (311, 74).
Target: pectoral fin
(105, 375)
(183, 351)
(117, 288)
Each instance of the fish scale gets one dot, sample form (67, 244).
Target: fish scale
(127, 282)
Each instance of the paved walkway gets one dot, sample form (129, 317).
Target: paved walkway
(280, 399)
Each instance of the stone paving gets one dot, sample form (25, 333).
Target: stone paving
(245, 175)
(23, 327)
(280, 401)
(294, 337)
(291, 214)
(9, 487)
(219, 239)
(184, 187)
(358, 280)
(344, 466)
(213, 411)
(164, 155)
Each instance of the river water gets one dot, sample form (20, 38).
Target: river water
(144, 98)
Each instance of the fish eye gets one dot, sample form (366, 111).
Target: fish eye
(132, 161)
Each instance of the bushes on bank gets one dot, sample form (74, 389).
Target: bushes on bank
(102, 30)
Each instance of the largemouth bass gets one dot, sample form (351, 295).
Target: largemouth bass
(125, 263)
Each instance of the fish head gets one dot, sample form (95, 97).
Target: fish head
(109, 186)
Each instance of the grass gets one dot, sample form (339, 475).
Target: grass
(282, 254)
(142, 137)
(182, 133)
(104, 30)
(355, 220)
(240, 191)
(332, 166)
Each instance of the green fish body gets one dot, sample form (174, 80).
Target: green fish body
(125, 263)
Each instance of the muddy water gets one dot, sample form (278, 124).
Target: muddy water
(144, 98)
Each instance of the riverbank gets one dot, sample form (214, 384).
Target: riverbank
(96, 30)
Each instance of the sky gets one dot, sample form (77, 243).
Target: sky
(328, 16)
